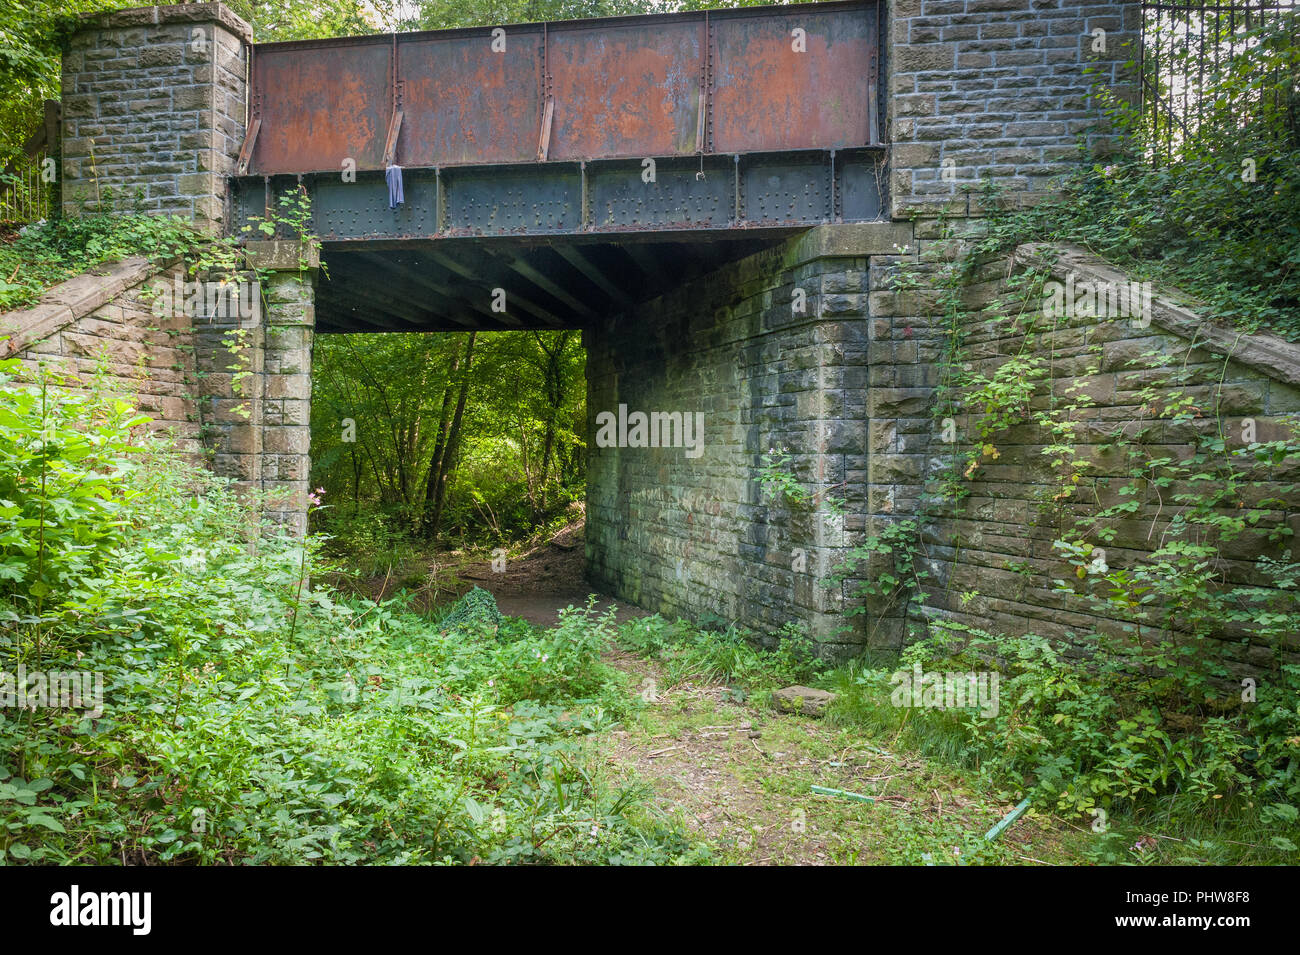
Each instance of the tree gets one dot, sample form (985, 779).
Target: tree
(453, 431)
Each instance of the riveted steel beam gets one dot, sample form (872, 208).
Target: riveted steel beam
(802, 76)
(716, 194)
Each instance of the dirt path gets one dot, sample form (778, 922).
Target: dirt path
(543, 581)
(737, 774)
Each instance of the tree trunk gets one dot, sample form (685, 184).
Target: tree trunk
(453, 441)
(440, 444)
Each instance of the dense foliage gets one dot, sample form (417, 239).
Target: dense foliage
(460, 437)
(247, 717)
(1221, 220)
(50, 252)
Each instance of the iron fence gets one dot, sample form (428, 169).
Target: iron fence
(24, 192)
(1189, 49)
(28, 187)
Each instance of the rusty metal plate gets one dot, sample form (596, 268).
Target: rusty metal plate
(464, 103)
(618, 88)
(622, 90)
(677, 199)
(322, 103)
(511, 201)
(767, 96)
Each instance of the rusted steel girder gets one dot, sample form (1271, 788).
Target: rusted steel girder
(672, 85)
(745, 191)
(725, 120)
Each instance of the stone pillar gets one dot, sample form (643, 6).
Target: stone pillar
(255, 376)
(999, 90)
(154, 110)
(288, 330)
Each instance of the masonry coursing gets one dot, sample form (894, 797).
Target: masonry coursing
(154, 109)
(995, 89)
(103, 331)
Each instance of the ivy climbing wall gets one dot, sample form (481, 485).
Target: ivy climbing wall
(1130, 474)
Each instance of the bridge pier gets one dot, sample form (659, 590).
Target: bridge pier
(288, 331)
(154, 110)
(772, 351)
(255, 381)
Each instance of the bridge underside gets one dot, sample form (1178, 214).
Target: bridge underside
(698, 192)
(736, 346)
(565, 241)
(504, 284)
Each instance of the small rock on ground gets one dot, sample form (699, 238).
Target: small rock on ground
(803, 699)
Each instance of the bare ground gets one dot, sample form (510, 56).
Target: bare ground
(737, 774)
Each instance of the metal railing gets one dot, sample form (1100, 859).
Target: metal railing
(1189, 47)
(27, 189)
(24, 193)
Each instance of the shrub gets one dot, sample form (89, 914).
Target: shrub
(248, 718)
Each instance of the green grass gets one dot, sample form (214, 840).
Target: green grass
(941, 751)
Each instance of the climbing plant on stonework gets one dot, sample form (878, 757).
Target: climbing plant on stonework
(1187, 687)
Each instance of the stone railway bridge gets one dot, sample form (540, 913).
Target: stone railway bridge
(715, 199)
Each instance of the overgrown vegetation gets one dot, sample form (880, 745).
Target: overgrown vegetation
(1180, 711)
(1222, 220)
(720, 652)
(1146, 719)
(51, 252)
(247, 717)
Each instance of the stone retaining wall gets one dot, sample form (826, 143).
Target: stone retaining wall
(222, 364)
(991, 560)
(105, 327)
